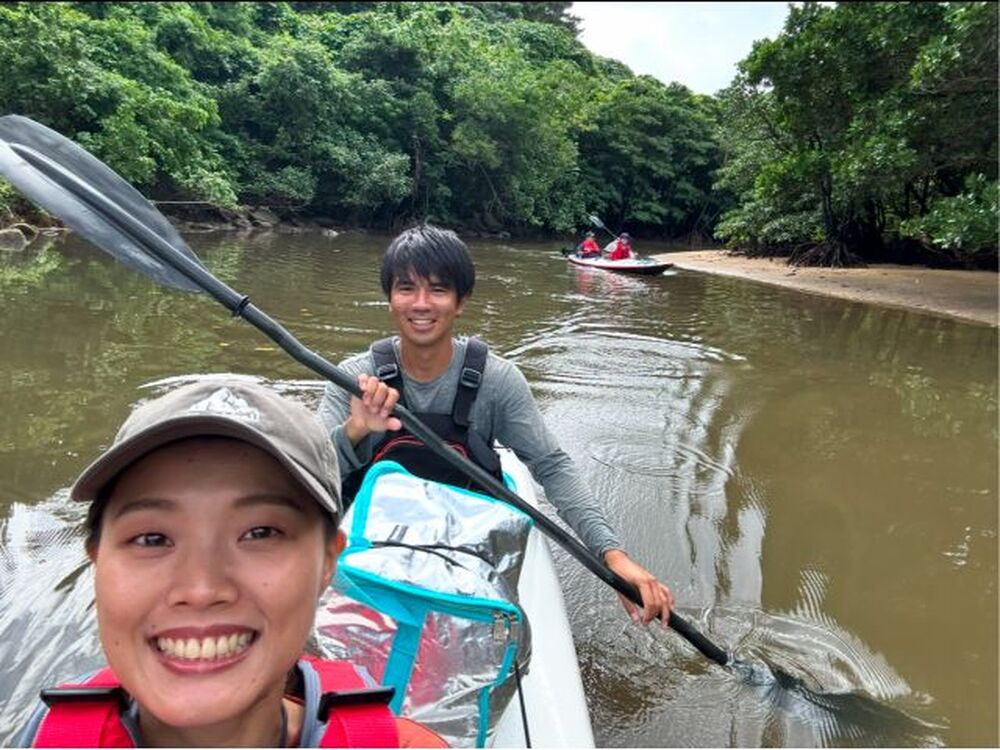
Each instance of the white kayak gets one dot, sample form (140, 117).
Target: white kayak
(553, 691)
(642, 265)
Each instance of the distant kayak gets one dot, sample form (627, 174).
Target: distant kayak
(641, 265)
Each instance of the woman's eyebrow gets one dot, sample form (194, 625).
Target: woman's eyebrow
(144, 503)
(163, 504)
(268, 498)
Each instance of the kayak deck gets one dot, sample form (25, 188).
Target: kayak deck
(553, 690)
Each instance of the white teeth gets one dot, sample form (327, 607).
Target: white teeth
(205, 648)
(208, 648)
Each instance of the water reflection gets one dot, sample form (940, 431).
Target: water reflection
(816, 479)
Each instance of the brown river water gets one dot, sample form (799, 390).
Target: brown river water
(816, 479)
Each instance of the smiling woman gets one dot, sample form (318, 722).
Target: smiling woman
(212, 528)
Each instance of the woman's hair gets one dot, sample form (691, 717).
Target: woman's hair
(431, 253)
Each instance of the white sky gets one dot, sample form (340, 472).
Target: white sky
(697, 44)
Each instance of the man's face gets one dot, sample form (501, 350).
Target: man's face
(424, 310)
(207, 572)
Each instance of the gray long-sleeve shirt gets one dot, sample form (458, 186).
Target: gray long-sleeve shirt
(504, 410)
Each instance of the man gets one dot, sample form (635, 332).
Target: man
(427, 275)
(589, 247)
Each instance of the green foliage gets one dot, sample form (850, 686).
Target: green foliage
(488, 115)
(855, 123)
(103, 81)
(649, 155)
(964, 225)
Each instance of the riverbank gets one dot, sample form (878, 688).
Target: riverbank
(967, 295)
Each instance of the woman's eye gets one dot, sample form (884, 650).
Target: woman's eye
(150, 540)
(261, 532)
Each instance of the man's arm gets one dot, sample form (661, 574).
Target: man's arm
(518, 424)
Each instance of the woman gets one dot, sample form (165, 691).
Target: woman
(212, 528)
(622, 248)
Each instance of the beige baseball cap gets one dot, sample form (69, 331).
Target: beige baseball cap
(225, 407)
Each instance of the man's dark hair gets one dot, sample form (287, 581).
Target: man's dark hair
(431, 253)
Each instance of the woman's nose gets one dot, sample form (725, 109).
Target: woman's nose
(201, 578)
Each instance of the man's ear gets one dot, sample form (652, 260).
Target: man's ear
(461, 304)
(92, 551)
(333, 549)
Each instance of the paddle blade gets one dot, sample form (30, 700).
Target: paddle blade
(84, 193)
(597, 222)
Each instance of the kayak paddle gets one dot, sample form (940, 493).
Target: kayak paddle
(600, 225)
(82, 191)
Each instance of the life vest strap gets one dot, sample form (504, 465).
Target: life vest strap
(454, 428)
(356, 714)
(469, 381)
(85, 715)
(389, 371)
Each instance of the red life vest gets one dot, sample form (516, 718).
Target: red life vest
(622, 251)
(589, 247)
(89, 714)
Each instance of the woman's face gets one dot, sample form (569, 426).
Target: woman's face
(207, 572)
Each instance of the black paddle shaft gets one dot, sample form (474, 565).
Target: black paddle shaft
(61, 180)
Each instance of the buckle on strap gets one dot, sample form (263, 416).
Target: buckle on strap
(387, 371)
(470, 378)
(84, 694)
(379, 695)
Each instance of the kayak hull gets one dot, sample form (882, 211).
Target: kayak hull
(643, 266)
(553, 690)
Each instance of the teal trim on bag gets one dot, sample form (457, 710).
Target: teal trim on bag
(472, 608)
(484, 715)
(399, 667)
(510, 653)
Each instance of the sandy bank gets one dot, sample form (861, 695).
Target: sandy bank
(969, 295)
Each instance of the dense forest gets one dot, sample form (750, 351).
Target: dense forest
(862, 132)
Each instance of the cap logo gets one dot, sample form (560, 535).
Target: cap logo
(227, 404)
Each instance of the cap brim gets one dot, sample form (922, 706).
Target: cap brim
(122, 455)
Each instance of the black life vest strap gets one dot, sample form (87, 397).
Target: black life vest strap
(389, 371)
(387, 367)
(469, 380)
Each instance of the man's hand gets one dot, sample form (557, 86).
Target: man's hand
(370, 413)
(656, 597)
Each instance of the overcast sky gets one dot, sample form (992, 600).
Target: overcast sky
(697, 44)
